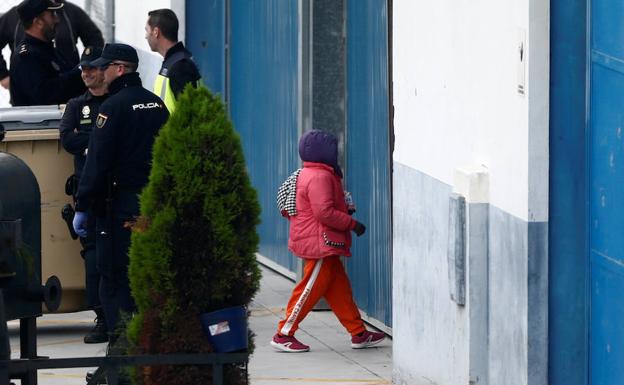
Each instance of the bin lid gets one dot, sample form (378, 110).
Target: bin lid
(31, 117)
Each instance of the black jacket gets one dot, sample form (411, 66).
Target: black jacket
(180, 68)
(120, 147)
(76, 125)
(39, 76)
(74, 23)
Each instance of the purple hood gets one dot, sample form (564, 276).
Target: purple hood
(321, 147)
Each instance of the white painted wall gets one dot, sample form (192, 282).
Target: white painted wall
(539, 107)
(456, 68)
(130, 19)
(455, 94)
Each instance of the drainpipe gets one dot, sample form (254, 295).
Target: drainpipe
(109, 31)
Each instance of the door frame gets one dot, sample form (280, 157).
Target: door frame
(367, 303)
(568, 337)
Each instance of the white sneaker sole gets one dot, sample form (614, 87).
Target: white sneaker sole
(287, 349)
(366, 344)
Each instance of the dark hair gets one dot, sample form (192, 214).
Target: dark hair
(166, 20)
(131, 67)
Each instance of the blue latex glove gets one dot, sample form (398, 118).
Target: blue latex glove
(80, 223)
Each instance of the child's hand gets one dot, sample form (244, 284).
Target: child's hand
(359, 228)
(349, 202)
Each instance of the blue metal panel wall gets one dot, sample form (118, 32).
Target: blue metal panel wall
(568, 305)
(205, 38)
(367, 154)
(263, 105)
(606, 192)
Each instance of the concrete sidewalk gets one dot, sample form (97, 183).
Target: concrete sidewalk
(331, 360)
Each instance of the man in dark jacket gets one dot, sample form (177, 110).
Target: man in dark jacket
(39, 75)
(74, 23)
(178, 68)
(75, 128)
(118, 166)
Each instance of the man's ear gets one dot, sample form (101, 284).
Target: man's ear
(38, 21)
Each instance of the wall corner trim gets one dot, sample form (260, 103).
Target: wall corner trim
(472, 182)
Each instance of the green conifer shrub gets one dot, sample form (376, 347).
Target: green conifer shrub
(193, 248)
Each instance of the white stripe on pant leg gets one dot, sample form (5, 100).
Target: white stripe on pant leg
(302, 299)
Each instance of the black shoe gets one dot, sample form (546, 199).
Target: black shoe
(98, 334)
(100, 381)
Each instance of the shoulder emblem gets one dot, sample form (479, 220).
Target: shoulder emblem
(86, 111)
(101, 120)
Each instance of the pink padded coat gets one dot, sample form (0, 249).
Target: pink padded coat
(322, 225)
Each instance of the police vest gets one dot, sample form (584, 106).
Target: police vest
(162, 87)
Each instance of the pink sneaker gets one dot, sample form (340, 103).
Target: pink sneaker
(288, 344)
(366, 339)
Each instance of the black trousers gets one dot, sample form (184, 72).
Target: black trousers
(92, 274)
(112, 244)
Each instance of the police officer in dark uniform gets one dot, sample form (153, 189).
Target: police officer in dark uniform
(38, 74)
(74, 24)
(178, 68)
(75, 127)
(117, 168)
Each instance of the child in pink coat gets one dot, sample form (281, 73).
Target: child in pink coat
(320, 235)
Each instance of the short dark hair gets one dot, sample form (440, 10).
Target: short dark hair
(166, 20)
(129, 67)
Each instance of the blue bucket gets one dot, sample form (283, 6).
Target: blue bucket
(226, 329)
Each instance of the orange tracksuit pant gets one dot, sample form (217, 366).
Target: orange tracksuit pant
(322, 278)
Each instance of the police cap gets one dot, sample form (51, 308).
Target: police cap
(112, 52)
(89, 55)
(29, 9)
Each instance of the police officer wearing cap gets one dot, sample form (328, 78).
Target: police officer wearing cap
(75, 128)
(117, 168)
(38, 74)
(74, 23)
(178, 68)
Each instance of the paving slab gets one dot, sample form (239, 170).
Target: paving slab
(61, 336)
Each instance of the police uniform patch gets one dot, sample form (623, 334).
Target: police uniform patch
(86, 111)
(101, 120)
